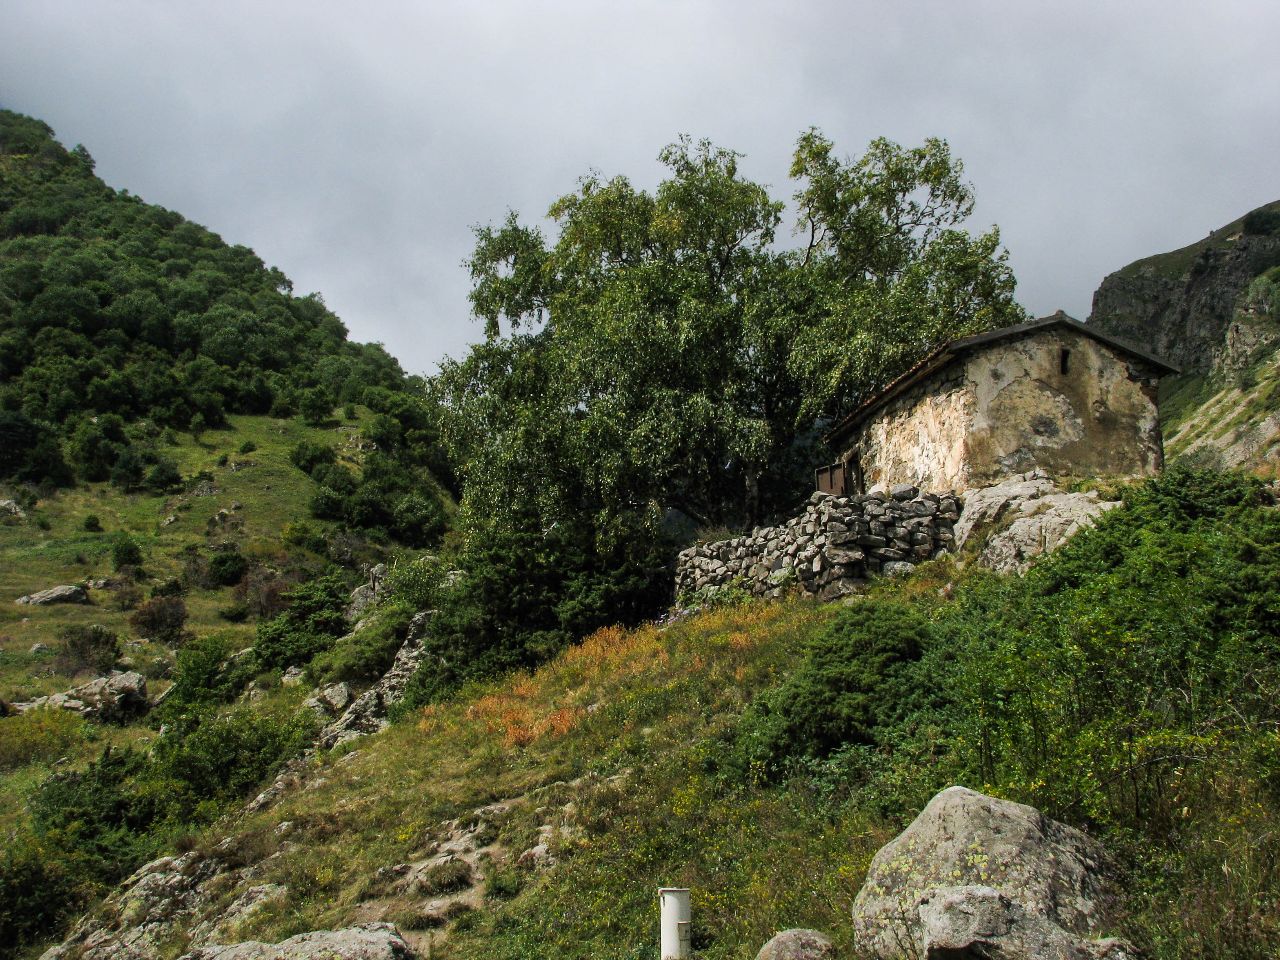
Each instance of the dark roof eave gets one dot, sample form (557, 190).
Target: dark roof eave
(943, 355)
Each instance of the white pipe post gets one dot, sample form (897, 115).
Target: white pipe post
(676, 923)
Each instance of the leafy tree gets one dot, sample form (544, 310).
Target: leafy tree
(666, 356)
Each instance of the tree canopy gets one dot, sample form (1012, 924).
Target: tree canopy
(665, 355)
(109, 305)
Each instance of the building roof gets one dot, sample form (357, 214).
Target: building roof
(953, 349)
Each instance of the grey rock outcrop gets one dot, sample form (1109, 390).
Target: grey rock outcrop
(114, 697)
(1180, 304)
(365, 715)
(798, 945)
(1031, 517)
(973, 876)
(66, 593)
(367, 595)
(368, 712)
(10, 508)
(367, 941)
(329, 701)
(158, 898)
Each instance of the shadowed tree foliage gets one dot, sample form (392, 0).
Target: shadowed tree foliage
(666, 355)
(113, 307)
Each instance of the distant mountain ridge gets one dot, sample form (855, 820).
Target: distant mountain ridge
(1181, 303)
(1213, 308)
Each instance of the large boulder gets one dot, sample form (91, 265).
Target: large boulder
(366, 596)
(66, 593)
(114, 697)
(1027, 516)
(798, 945)
(367, 941)
(976, 877)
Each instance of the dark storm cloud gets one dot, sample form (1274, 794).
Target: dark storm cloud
(354, 148)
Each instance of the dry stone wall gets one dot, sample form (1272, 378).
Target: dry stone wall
(830, 548)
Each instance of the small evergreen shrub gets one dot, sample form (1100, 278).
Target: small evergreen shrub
(307, 455)
(310, 624)
(161, 619)
(855, 681)
(125, 552)
(91, 647)
(227, 567)
(92, 524)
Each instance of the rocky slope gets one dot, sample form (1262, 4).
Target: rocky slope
(1182, 303)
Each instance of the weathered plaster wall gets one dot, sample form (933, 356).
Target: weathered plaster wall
(1009, 408)
(1099, 418)
(919, 437)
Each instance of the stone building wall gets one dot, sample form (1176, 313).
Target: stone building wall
(1099, 418)
(1011, 407)
(830, 548)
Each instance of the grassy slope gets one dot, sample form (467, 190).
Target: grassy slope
(271, 493)
(647, 704)
(269, 489)
(1175, 263)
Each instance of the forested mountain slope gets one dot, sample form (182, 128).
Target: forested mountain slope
(1214, 308)
(113, 307)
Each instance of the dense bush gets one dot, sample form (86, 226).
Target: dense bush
(98, 816)
(161, 619)
(309, 625)
(856, 680)
(225, 757)
(365, 655)
(125, 552)
(227, 567)
(525, 593)
(38, 891)
(204, 677)
(91, 647)
(307, 456)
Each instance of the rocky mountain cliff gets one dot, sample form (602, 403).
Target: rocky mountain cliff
(1182, 303)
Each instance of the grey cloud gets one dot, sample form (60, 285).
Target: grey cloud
(355, 148)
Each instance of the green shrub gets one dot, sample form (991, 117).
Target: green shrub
(92, 524)
(125, 552)
(307, 455)
(226, 757)
(98, 817)
(304, 534)
(92, 647)
(161, 619)
(854, 683)
(366, 655)
(37, 736)
(169, 587)
(37, 892)
(248, 447)
(164, 476)
(310, 624)
(204, 677)
(227, 567)
(417, 584)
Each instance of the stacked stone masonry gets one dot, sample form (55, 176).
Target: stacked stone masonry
(830, 548)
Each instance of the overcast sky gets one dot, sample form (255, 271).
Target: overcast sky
(355, 145)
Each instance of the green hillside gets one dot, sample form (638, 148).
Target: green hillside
(762, 752)
(110, 306)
